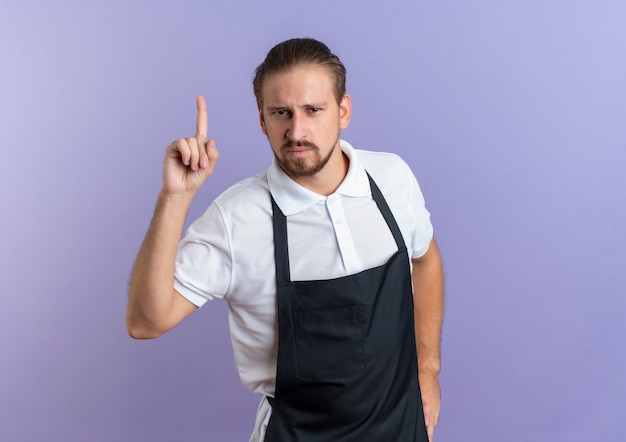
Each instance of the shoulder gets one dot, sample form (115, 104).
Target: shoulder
(373, 156)
(246, 190)
(382, 162)
(387, 169)
(245, 194)
(236, 217)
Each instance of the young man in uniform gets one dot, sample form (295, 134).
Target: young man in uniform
(326, 259)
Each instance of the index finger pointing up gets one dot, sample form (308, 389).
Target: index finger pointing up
(202, 123)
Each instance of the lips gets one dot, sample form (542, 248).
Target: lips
(298, 151)
(296, 146)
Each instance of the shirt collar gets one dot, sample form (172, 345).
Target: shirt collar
(292, 198)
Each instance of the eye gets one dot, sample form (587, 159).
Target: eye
(314, 110)
(281, 113)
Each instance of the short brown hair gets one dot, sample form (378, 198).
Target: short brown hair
(290, 53)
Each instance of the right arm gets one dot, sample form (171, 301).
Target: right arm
(154, 307)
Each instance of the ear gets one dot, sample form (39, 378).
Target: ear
(345, 111)
(261, 120)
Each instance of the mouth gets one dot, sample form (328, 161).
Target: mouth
(299, 148)
(298, 151)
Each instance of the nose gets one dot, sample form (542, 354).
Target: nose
(297, 129)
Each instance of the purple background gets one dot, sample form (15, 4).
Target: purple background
(511, 113)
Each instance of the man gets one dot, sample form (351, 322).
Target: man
(326, 259)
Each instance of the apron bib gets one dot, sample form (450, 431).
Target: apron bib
(347, 363)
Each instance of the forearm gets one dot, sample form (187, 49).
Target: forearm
(428, 297)
(151, 291)
(428, 303)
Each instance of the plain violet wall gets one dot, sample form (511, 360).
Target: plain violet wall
(512, 114)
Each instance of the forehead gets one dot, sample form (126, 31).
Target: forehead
(303, 82)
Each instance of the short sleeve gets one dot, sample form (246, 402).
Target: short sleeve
(423, 233)
(204, 260)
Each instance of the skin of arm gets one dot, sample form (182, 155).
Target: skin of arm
(428, 300)
(154, 307)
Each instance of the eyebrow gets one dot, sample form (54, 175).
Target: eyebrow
(275, 107)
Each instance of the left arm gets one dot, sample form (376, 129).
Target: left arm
(427, 278)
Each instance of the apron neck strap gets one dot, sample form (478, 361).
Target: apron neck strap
(386, 212)
(281, 248)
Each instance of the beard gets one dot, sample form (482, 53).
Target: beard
(304, 167)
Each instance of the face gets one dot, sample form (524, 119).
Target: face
(302, 120)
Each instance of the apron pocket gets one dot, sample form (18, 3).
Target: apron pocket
(330, 342)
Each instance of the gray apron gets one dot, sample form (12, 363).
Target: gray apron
(347, 363)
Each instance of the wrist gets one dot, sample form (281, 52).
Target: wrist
(176, 198)
(173, 205)
(428, 380)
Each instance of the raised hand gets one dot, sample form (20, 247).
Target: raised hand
(190, 161)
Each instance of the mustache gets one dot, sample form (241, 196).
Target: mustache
(299, 143)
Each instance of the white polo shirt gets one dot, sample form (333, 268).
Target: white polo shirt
(229, 251)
